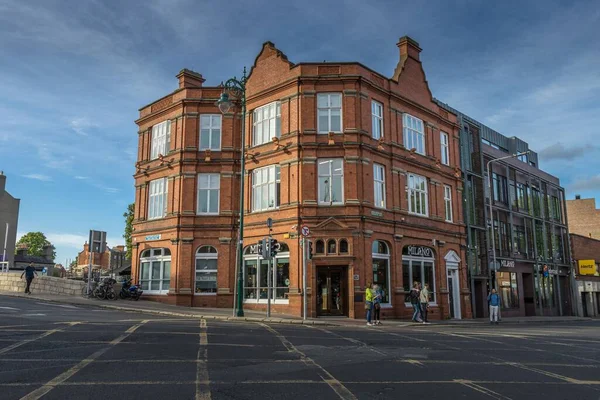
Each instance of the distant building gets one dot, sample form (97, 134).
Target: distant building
(584, 217)
(112, 260)
(22, 260)
(586, 254)
(9, 214)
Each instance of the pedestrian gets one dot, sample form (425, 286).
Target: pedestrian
(424, 302)
(494, 303)
(415, 297)
(369, 296)
(29, 275)
(377, 304)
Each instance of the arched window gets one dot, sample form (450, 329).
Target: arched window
(206, 270)
(381, 268)
(331, 246)
(320, 247)
(343, 246)
(155, 270)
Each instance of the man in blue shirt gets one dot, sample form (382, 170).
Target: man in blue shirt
(29, 275)
(494, 302)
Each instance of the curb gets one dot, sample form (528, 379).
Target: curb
(179, 314)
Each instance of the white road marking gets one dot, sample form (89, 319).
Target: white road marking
(9, 308)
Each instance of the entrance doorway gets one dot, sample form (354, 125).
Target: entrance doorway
(332, 292)
(453, 293)
(528, 294)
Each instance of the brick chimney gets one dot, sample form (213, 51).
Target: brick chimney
(408, 48)
(190, 79)
(2, 181)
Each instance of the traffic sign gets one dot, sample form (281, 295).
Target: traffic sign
(305, 230)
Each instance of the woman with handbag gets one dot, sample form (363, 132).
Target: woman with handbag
(369, 297)
(377, 304)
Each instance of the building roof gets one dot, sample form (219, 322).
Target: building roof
(19, 258)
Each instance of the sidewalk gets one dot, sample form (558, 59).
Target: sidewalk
(226, 314)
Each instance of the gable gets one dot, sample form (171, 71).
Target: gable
(331, 224)
(452, 257)
(271, 66)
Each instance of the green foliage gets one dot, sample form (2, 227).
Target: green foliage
(129, 228)
(35, 242)
(73, 264)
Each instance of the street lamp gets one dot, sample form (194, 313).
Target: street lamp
(489, 163)
(238, 88)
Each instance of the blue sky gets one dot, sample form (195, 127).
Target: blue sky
(73, 75)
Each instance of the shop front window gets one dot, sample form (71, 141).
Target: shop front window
(257, 279)
(418, 266)
(509, 292)
(155, 271)
(381, 268)
(206, 270)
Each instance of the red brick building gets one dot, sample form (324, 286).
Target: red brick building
(586, 253)
(584, 217)
(370, 164)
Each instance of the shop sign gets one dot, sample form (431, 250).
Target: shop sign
(356, 277)
(377, 213)
(150, 238)
(418, 251)
(587, 267)
(507, 263)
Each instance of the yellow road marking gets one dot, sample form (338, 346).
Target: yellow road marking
(60, 379)
(14, 346)
(202, 378)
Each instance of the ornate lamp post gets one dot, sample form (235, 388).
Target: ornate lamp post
(238, 89)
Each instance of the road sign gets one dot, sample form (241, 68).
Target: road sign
(305, 230)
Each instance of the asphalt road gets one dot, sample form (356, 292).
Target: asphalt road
(53, 351)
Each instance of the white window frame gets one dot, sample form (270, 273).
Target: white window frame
(258, 287)
(272, 187)
(206, 256)
(330, 176)
(386, 257)
(432, 285)
(445, 148)
(214, 183)
(329, 110)
(158, 191)
(161, 139)
(156, 255)
(413, 133)
(212, 125)
(264, 129)
(377, 119)
(423, 194)
(448, 203)
(379, 186)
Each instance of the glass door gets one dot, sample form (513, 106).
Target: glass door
(331, 291)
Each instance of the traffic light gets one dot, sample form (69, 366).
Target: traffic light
(272, 247)
(309, 250)
(263, 249)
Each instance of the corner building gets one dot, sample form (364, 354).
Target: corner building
(369, 164)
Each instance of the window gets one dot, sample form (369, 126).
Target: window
(157, 198)
(522, 157)
(331, 182)
(377, 119)
(343, 246)
(414, 137)
(161, 139)
(418, 268)
(320, 247)
(329, 112)
(208, 193)
(507, 282)
(381, 268)
(417, 195)
(499, 183)
(206, 270)
(331, 246)
(257, 279)
(522, 197)
(155, 271)
(210, 132)
(445, 148)
(448, 203)
(266, 188)
(379, 185)
(519, 243)
(267, 123)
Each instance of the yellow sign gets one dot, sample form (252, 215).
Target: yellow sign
(587, 267)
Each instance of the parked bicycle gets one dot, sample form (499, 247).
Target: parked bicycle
(87, 291)
(105, 290)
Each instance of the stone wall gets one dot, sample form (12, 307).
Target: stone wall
(12, 282)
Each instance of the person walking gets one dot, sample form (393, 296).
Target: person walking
(424, 297)
(494, 302)
(29, 275)
(414, 297)
(378, 299)
(369, 297)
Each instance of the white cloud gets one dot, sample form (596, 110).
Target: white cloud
(76, 241)
(81, 178)
(38, 177)
(82, 125)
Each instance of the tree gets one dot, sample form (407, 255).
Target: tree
(129, 228)
(35, 242)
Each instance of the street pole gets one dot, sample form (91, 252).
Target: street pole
(224, 104)
(89, 283)
(4, 251)
(304, 257)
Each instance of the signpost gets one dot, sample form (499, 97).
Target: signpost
(305, 232)
(96, 244)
